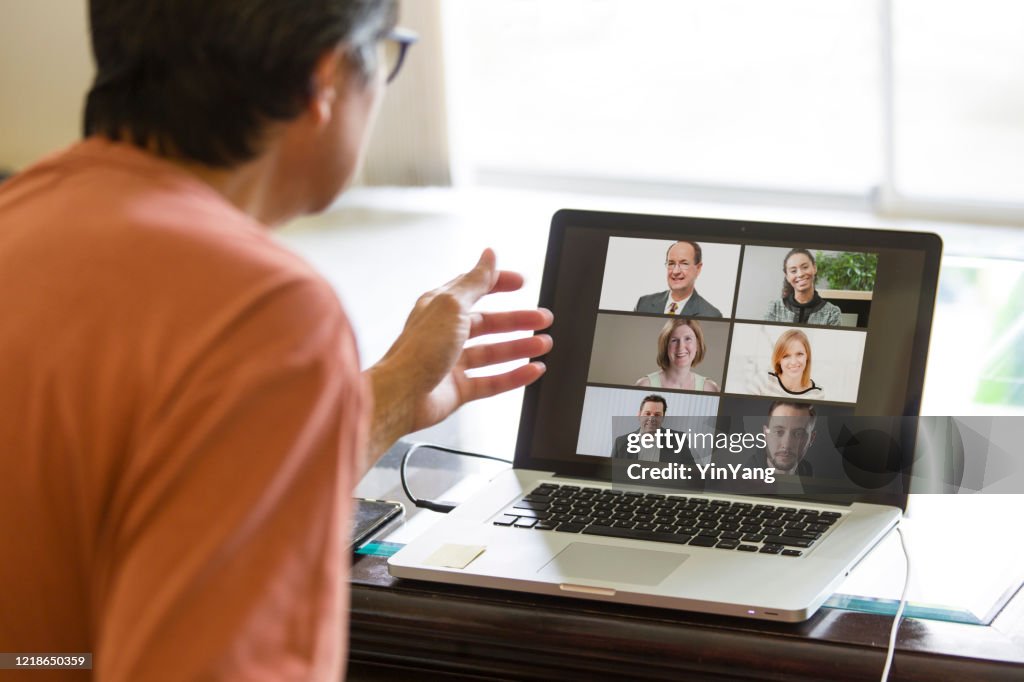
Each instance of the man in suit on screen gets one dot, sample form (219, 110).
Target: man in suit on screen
(651, 416)
(683, 263)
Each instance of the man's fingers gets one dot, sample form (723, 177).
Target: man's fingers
(508, 280)
(472, 286)
(476, 388)
(511, 321)
(506, 351)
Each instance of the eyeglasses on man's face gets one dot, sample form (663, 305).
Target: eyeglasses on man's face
(394, 44)
(682, 265)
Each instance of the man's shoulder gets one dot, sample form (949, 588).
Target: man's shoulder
(620, 445)
(701, 306)
(118, 206)
(758, 460)
(156, 252)
(652, 302)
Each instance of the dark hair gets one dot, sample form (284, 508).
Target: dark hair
(787, 290)
(697, 253)
(796, 406)
(201, 79)
(654, 398)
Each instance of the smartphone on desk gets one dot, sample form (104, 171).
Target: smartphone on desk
(372, 518)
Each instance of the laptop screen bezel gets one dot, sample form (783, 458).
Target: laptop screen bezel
(710, 229)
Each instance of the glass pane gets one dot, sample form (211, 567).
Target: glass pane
(976, 358)
(959, 124)
(738, 92)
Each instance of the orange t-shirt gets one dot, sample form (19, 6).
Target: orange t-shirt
(181, 422)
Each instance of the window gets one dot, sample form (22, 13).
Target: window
(915, 102)
(958, 123)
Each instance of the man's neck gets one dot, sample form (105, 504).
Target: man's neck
(779, 470)
(243, 186)
(680, 296)
(259, 187)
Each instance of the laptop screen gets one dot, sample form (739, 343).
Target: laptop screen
(759, 342)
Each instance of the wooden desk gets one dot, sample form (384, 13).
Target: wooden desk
(406, 629)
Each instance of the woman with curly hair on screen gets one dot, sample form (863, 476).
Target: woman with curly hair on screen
(800, 301)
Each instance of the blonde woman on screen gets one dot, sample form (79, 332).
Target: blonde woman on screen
(791, 369)
(680, 348)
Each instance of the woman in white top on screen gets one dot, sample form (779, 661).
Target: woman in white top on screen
(680, 349)
(791, 362)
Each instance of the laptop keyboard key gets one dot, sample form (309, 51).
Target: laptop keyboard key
(530, 513)
(728, 544)
(506, 520)
(636, 534)
(704, 541)
(570, 527)
(525, 523)
(747, 548)
(791, 552)
(801, 534)
(791, 542)
(770, 549)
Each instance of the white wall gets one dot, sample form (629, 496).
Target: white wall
(761, 280)
(45, 70)
(46, 67)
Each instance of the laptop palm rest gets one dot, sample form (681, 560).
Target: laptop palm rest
(588, 561)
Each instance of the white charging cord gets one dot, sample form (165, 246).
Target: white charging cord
(899, 610)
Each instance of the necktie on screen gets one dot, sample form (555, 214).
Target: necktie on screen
(672, 308)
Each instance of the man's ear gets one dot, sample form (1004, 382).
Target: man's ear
(325, 86)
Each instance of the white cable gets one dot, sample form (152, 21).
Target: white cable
(899, 610)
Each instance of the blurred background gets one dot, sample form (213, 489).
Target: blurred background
(905, 114)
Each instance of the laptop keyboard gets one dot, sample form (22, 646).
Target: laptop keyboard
(697, 521)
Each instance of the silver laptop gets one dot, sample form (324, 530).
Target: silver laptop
(718, 429)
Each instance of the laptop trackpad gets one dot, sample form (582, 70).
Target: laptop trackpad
(612, 564)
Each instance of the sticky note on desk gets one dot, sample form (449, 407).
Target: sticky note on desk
(454, 556)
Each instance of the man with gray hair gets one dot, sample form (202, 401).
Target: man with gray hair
(184, 412)
(683, 263)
